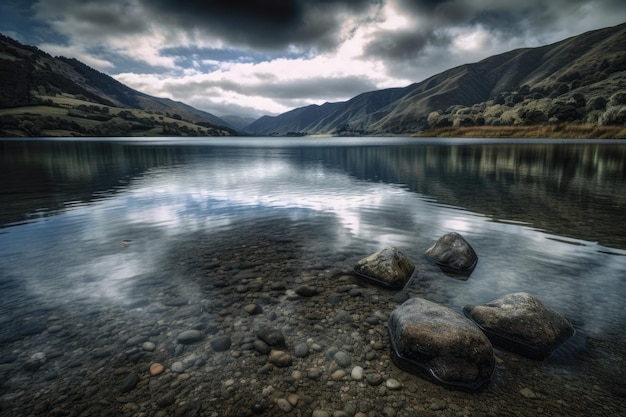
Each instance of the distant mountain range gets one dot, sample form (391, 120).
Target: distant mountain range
(579, 80)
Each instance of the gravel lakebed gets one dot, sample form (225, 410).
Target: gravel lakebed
(265, 326)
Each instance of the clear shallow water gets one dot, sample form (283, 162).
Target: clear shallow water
(84, 222)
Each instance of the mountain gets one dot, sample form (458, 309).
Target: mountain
(45, 95)
(238, 122)
(581, 80)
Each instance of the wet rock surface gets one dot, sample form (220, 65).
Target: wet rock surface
(441, 345)
(521, 323)
(453, 254)
(388, 267)
(336, 349)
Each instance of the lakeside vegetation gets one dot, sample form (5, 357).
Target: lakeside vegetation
(556, 131)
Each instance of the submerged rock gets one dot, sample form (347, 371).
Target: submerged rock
(521, 323)
(388, 267)
(440, 345)
(453, 255)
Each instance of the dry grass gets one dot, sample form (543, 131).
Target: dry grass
(559, 131)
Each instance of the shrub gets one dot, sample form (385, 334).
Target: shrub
(597, 103)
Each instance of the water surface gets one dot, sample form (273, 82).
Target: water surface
(85, 223)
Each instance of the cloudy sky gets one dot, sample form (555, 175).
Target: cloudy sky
(255, 57)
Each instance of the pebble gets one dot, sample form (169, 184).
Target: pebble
(320, 413)
(221, 343)
(156, 369)
(271, 335)
(338, 374)
(148, 346)
(343, 317)
(393, 384)
(374, 379)
(306, 291)
(342, 359)
(167, 399)
(129, 383)
(261, 347)
(189, 336)
(284, 405)
(253, 309)
(178, 367)
(438, 406)
(357, 373)
(527, 393)
(281, 358)
(301, 350)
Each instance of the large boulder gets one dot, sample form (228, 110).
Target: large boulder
(440, 345)
(388, 268)
(453, 255)
(521, 323)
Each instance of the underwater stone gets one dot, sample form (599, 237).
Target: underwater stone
(440, 345)
(453, 254)
(519, 322)
(388, 267)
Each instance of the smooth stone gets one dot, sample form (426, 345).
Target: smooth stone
(156, 369)
(271, 335)
(453, 254)
(338, 374)
(167, 399)
(342, 359)
(374, 379)
(136, 340)
(189, 336)
(320, 413)
(527, 393)
(301, 350)
(388, 267)
(178, 367)
(357, 373)
(221, 343)
(306, 291)
(148, 346)
(343, 317)
(252, 309)
(129, 383)
(261, 347)
(440, 345)
(519, 322)
(393, 384)
(284, 405)
(280, 358)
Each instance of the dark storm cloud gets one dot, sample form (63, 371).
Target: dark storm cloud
(273, 24)
(433, 21)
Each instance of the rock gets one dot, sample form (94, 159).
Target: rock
(388, 267)
(393, 384)
(271, 336)
(342, 359)
(281, 358)
(167, 399)
(374, 379)
(189, 336)
(453, 255)
(301, 350)
(221, 343)
(178, 367)
(148, 346)
(357, 373)
(521, 323)
(527, 393)
(306, 291)
(284, 405)
(129, 383)
(343, 317)
(253, 309)
(440, 345)
(156, 369)
(261, 347)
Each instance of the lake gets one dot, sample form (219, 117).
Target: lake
(111, 248)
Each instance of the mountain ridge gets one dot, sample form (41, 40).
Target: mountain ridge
(591, 65)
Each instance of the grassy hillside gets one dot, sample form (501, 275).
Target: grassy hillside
(45, 96)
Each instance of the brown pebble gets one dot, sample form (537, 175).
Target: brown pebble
(156, 368)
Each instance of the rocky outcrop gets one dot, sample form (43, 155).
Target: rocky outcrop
(453, 255)
(440, 345)
(388, 267)
(521, 323)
